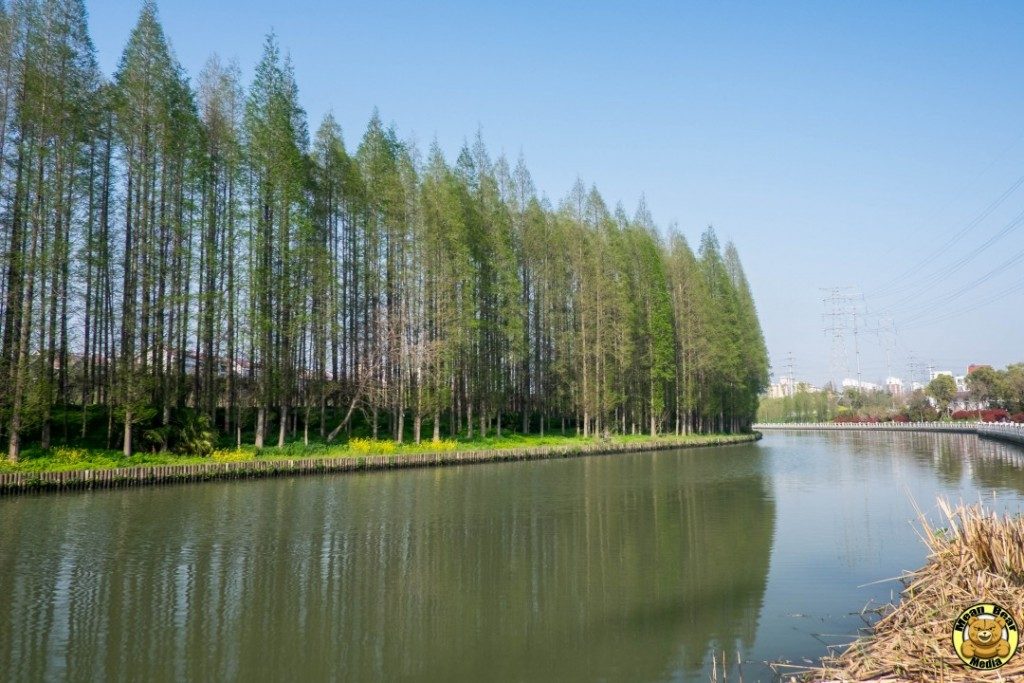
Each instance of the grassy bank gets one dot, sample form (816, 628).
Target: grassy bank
(69, 458)
(978, 557)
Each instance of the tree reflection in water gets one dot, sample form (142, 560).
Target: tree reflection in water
(613, 568)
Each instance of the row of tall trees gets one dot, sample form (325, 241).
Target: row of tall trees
(171, 248)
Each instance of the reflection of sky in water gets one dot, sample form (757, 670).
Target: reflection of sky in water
(606, 568)
(845, 518)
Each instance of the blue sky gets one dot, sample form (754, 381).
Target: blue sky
(834, 143)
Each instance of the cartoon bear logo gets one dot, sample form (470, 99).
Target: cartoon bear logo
(985, 636)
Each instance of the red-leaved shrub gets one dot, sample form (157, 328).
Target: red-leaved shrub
(855, 419)
(988, 415)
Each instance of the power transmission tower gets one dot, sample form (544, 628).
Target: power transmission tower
(840, 307)
(854, 312)
(886, 332)
(790, 366)
(916, 368)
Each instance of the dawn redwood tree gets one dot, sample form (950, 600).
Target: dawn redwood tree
(53, 84)
(722, 377)
(274, 127)
(172, 252)
(221, 104)
(753, 357)
(379, 156)
(157, 132)
(658, 342)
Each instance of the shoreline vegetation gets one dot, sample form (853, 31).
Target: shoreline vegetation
(67, 468)
(187, 259)
(977, 557)
(985, 394)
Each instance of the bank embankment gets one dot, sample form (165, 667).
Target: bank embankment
(1008, 432)
(977, 558)
(24, 482)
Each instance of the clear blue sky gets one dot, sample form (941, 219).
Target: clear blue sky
(835, 143)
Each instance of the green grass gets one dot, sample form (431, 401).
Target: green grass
(68, 458)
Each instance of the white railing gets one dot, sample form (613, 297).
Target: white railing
(1008, 431)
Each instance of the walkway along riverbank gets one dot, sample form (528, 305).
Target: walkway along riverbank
(1010, 432)
(24, 482)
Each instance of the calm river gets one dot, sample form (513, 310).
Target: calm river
(625, 567)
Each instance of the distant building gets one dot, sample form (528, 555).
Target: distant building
(785, 387)
(894, 385)
(973, 366)
(963, 401)
(939, 373)
(859, 384)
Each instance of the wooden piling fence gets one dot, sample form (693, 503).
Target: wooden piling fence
(12, 483)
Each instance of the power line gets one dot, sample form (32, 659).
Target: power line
(856, 340)
(949, 315)
(885, 333)
(943, 301)
(916, 367)
(941, 274)
(946, 246)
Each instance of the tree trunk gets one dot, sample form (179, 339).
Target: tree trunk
(282, 426)
(261, 420)
(127, 446)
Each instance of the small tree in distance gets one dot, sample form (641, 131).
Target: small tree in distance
(943, 390)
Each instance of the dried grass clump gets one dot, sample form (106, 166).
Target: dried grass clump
(979, 557)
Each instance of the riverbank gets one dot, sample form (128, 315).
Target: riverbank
(292, 460)
(1009, 432)
(978, 557)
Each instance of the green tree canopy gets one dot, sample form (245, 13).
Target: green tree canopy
(943, 389)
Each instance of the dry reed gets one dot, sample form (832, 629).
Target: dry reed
(978, 557)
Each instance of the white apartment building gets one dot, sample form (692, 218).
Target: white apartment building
(860, 384)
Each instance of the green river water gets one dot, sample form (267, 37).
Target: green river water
(610, 568)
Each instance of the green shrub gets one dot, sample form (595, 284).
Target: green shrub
(196, 436)
(156, 438)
